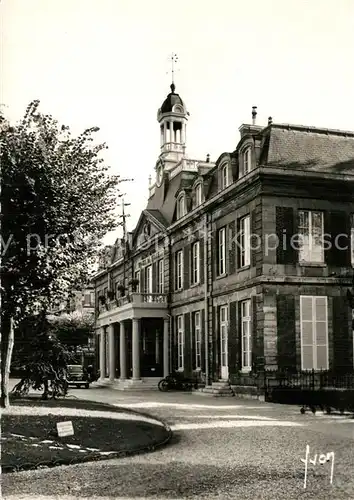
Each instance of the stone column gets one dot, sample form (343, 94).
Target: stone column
(112, 352)
(172, 139)
(166, 368)
(102, 353)
(183, 133)
(136, 348)
(122, 352)
(165, 132)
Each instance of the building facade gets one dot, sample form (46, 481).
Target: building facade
(235, 266)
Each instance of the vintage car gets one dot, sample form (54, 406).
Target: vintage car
(77, 376)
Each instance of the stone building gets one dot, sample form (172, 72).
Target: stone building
(234, 266)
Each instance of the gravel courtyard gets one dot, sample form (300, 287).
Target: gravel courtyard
(222, 448)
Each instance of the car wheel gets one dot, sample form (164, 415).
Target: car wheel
(87, 386)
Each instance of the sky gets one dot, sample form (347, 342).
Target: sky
(106, 63)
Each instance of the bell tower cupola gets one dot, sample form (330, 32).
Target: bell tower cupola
(172, 117)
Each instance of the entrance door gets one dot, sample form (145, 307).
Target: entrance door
(223, 343)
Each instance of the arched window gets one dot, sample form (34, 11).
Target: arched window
(198, 194)
(224, 176)
(181, 206)
(246, 160)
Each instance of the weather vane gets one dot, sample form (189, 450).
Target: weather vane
(174, 59)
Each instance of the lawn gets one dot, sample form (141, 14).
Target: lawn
(31, 441)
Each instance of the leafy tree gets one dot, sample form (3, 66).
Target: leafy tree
(45, 366)
(57, 202)
(72, 329)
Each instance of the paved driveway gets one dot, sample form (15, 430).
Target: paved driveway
(222, 448)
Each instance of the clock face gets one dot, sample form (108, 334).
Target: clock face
(159, 175)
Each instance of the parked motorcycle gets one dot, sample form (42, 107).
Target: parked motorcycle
(175, 382)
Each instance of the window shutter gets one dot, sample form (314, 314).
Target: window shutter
(232, 247)
(254, 338)
(173, 271)
(203, 334)
(307, 333)
(286, 337)
(335, 224)
(175, 345)
(217, 342)
(187, 344)
(321, 334)
(217, 254)
(186, 267)
(193, 348)
(342, 338)
(237, 239)
(238, 336)
(142, 280)
(226, 252)
(154, 277)
(213, 368)
(253, 242)
(285, 229)
(232, 339)
(201, 260)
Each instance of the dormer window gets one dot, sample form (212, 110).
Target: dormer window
(198, 195)
(224, 176)
(246, 161)
(181, 206)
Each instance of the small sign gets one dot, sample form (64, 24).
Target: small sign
(65, 429)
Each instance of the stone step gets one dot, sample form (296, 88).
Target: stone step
(216, 394)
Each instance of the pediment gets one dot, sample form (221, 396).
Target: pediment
(147, 227)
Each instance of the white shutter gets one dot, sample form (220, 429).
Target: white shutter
(307, 333)
(321, 337)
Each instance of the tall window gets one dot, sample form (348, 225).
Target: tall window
(180, 343)
(311, 248)
(137, 277)
(224, 177)
(198, 194)
(314, 332)
(245, 250)
(179, 270)
(246, 156)
(198, 341)
(195, 263)
(148, 279)
(224, 335)
(246, 345)
(160, 271)
(87, 299)
(221, 252)
(181, 206)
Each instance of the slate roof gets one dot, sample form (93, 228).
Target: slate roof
(171, 100)
(309, 148)
(156, 214)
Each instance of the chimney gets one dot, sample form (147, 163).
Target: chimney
(270, 120)
(208, 158)
(254, 115)
(150, 179)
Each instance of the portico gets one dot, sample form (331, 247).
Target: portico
(134, 341)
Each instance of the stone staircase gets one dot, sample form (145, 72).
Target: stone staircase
(144, 384)
(217, 389)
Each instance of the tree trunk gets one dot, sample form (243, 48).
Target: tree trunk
(7, 343)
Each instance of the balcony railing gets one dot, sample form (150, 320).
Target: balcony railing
(134, 298)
